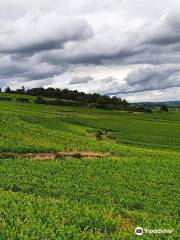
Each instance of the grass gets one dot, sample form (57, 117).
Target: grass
(87, 198)
(106, 198)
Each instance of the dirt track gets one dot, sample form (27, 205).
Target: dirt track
(52, 156)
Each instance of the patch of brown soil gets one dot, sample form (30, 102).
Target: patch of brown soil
(59, 155)
(87, 154)
(40, 156)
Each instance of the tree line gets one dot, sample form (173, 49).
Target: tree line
(56, 96)
(72, 95)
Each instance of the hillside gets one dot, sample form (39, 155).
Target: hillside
(153, 104)
(123, 172)
(67, 97)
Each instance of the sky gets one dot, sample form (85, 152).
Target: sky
(126, 48)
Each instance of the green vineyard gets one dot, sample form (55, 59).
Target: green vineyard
(123, 172)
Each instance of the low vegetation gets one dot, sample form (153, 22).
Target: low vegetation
(65, 97)
(103, 172)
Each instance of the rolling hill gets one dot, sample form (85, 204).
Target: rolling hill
(85, 173)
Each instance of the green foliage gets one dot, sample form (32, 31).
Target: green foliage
(79, 198)
(43, 128)
(7, 99)
(87, 199)
(23, 100)
(164, 108)
(75, 97)
(7, 90)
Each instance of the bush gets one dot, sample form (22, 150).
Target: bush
(39, 100)
(148, 110)
(164, 108)
(99, 135)
(8, 99)
(23, 100)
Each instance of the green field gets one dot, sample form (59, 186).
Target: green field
(88, 198)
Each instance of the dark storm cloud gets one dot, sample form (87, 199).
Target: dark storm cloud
(80, 80)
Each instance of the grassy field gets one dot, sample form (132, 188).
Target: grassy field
(105, 198)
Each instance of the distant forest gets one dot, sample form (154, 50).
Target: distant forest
(56, 96)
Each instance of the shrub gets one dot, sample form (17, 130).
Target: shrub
(23, 100)
(164, 108)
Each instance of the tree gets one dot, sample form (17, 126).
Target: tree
(76, 98)
(8, 90)
(115, 100)
(148, 110)
(39, 100)
(164, 108)
(23, 90)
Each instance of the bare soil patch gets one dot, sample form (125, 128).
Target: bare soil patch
(58, 155)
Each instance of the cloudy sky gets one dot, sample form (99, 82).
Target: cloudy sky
(128, 48)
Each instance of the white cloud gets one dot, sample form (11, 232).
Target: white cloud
(130, 47)
(80, 80)
(37, 32)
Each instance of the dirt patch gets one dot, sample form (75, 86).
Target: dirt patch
(88, 154)
(52, 156)
(40, 156)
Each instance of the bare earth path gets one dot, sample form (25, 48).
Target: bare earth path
(51, 156)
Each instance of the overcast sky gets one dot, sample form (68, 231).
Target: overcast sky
(128, 48)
